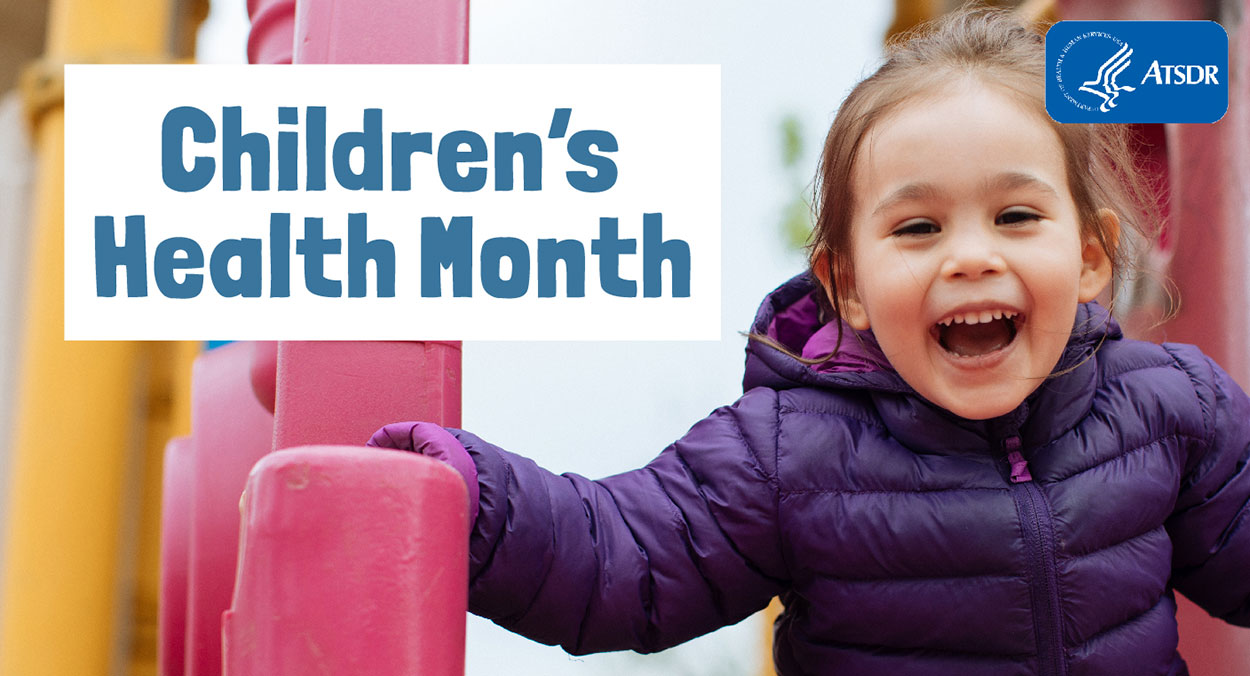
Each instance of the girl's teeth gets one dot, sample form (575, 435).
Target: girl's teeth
(982, 317)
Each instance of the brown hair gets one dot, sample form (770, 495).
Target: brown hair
(994, 47)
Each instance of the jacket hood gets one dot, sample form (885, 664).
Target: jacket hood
(791, 316)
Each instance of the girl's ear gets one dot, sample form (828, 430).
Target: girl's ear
(854, 314)
(849, 307)
(1096, 267)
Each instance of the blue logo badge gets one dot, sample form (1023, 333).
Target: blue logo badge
(1136, 71)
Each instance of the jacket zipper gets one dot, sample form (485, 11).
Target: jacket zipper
(1039, 539)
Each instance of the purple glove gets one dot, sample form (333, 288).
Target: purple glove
(433, 441)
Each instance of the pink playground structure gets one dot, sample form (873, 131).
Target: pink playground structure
(350, 560)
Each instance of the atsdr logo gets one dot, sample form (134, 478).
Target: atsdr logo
(1136, 71)
(1104, 86)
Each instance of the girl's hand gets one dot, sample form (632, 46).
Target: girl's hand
(435, 442)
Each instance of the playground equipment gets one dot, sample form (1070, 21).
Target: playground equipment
(349, 559)
(80, 576)
(352, 561)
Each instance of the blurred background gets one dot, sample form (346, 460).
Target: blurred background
(85, 424)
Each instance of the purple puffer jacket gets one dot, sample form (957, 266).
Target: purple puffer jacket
(892, 529)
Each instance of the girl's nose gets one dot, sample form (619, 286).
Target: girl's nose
(972, 256)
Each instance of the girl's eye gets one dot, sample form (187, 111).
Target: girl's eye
(1016, 217)
(915, 228)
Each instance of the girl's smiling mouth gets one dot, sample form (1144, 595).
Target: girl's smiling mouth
(977, 333)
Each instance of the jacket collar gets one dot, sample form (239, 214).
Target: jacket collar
(790, 316)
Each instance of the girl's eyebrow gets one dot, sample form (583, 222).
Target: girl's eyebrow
(1007, 180)
(1012, 180)
(908, 193)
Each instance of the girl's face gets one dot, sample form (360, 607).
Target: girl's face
(968, 256)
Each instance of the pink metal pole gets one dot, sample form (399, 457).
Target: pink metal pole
(342, 392)
(381, 31)
(353, 560)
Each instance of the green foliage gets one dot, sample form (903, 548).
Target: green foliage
(791, 141)
(796, 216)
(796, 222)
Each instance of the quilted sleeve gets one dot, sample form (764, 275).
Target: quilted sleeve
(1210, 527)
(642, 560)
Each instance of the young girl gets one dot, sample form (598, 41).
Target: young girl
(948, 460)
